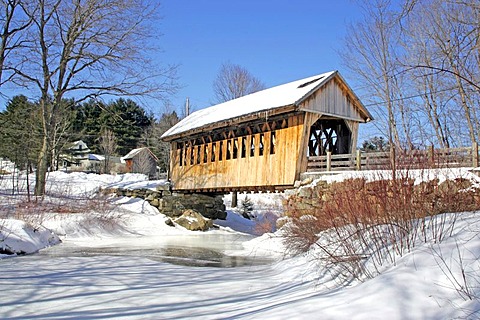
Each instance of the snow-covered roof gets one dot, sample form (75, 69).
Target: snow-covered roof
(79, 144)
(134, 152)
(288, 94)
(95, 157)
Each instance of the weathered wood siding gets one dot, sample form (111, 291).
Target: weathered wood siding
(198, 167)
(333, 99)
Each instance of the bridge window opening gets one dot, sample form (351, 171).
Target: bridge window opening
(244, 147)
(235, 149)
(260, 145)
(252, 147)
(199, 153)
(329, 135)
(180, 153)
(314, 145)
(205, 152)
(272, 142)
(229, 150)
(185, 153)
(214, 147)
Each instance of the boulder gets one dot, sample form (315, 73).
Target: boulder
(154, 202)
(169, 222)
(193, 221)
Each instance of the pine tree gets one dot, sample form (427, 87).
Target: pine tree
(124, 117)
(247, 208)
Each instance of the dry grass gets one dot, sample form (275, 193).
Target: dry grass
(98, 210)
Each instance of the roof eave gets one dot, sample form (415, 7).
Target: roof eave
(228, 122)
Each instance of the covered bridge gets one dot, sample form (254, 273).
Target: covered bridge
(262, 141)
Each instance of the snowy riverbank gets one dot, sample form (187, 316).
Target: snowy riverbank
(423, 284)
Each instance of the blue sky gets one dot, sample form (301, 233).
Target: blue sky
(277, 41)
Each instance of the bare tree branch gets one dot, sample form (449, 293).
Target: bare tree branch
(234, 81)
(89, 48)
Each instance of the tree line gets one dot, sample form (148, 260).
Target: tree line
(110, 129)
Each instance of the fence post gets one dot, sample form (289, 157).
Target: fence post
(358, 160)
(329, 160)
(475, 154)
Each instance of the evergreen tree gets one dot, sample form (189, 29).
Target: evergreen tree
(375, 144)
(87, 124)
(20, 131)
(123, 117)
(247, 208)
(127, 120)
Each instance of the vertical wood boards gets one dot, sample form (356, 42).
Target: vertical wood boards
(333, 99)
(302, 163)
(263, 167)
(353, 127)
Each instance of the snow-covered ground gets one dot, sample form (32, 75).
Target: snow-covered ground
(434, 281)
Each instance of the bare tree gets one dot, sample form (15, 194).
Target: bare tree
(108, 146)
(421, 60)
(88, 48)
(444, 62)
(371, 52)
(234, 81)
(12, 22)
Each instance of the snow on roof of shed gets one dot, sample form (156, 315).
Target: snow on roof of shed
(276, 97)
(95, 157)
(134, 152)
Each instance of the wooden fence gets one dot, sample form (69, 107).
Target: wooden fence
(415, 159)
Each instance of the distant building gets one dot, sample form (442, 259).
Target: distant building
(6, 166)
(141, 160)
(75, 155)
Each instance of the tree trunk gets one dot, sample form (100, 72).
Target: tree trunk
(42, 167)
(28, 181)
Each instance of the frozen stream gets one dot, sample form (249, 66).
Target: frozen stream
(206, 250)
(207, 276)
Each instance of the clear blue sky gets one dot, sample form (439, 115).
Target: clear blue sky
(277, 41)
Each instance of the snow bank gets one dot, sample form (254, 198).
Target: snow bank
(87, 184)
(18, 237)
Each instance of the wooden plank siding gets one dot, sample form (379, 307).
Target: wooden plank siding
(268, 160)
(334, 99)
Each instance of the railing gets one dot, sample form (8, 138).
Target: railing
(429, 158)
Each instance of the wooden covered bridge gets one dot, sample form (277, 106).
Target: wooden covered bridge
(262, 141)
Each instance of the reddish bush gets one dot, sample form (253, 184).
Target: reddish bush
(379, 219)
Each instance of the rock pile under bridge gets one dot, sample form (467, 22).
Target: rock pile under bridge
(174, 204)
